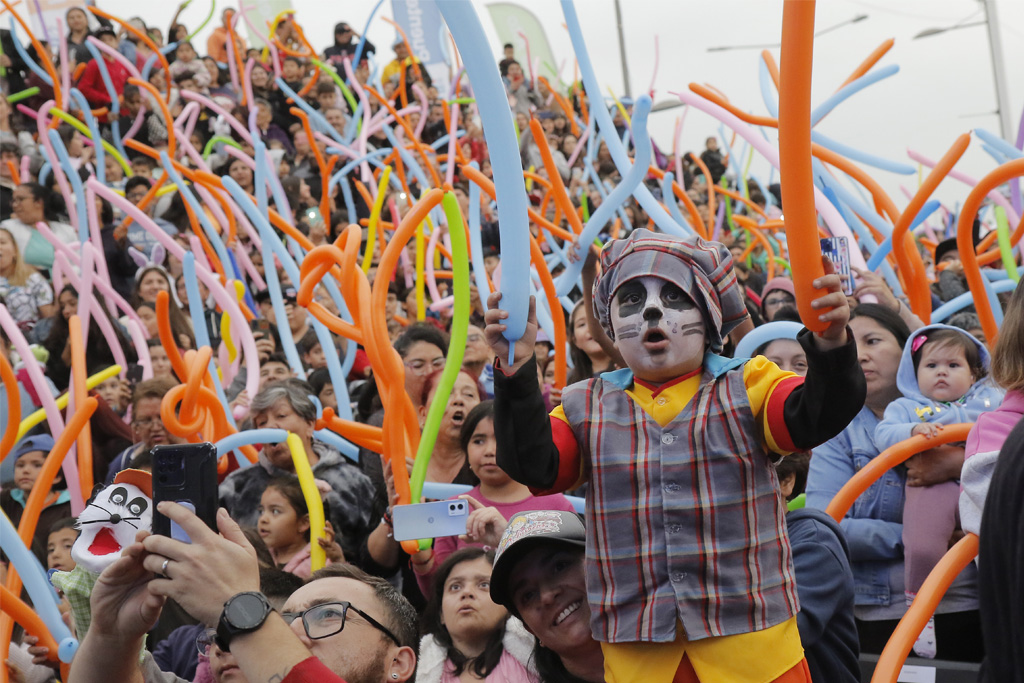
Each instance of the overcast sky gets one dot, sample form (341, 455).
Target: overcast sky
(944, 86)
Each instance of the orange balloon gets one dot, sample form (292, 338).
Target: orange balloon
(965, 245)
(557, 186)
(78, 375)
(886, 460)
(37, 498)
(928, 597)
(907, 256)
(795, 157)
(10, 382)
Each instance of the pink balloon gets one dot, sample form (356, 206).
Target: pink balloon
(239, 330)
(75, 260)
(89, 306)
(995, 196)
(53, 418)
(207, 102)
(449, 175)
(836, 225)
(141, 347)
(43, 126)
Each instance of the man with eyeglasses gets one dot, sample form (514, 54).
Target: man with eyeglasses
(148, 429)
(342, 625)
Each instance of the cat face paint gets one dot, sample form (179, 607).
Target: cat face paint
(659, 330)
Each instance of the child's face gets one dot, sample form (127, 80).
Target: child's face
(27, 468)
(943, 373)
(315, 358)
(184, 53)
(161, 363)
(658, 329)
(58, 550)
(110, 390)
(291, 71)
(328, 399)
(788, 355)
(141, 169)
(279, 524)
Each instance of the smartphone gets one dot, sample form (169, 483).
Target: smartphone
(185, 474)
(134, 374)
(260, 325)
(430, 520)
(314, 216)
(838, 250)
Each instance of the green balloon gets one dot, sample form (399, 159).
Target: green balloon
(456, 349)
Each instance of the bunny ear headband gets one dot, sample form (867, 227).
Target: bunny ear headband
(154, 260)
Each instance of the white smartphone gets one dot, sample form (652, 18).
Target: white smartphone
(430, 520)
(838, 250)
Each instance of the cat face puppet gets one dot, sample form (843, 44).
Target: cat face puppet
(109, 523)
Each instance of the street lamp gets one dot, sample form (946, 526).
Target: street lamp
(996, 53)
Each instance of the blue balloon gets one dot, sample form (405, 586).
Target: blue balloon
(1001, 145)
(44, 597)
(856, 86)
(781, 329)
(197, 209)
(499, 132)
(634, 176)
(362, 38)
(476, 246)
(604, 122)
(966, 299)
(20, 49)
(198, 315)
(250, 437)
(94, 129)
(76, 184)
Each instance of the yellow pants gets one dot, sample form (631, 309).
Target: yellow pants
(773, 655)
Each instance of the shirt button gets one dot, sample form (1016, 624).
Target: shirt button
(678, 576)
(662, 401)
(672, 486)
(674, 528)
(667, 438)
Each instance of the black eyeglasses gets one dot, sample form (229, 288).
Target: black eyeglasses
(206, 640)
(323, 621)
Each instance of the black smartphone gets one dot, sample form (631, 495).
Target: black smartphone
(185, 474)
(260, 325)
(134, 374)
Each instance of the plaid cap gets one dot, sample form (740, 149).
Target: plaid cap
(525, 531)
(700, 268)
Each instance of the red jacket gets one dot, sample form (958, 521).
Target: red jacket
(91, 82)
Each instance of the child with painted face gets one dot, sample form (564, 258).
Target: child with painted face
(678, 449)
(942, 376)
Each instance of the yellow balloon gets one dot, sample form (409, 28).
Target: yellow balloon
(62, 401)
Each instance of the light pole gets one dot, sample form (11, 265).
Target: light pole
(998, 68)
(622, 50)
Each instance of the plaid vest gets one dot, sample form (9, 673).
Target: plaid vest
(684, 522)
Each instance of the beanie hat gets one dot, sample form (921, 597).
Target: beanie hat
(700, 268)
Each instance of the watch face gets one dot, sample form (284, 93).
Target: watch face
(246, 611)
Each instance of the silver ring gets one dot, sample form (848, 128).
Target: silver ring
(163, 568)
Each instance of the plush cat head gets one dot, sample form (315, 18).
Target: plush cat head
(109, 523)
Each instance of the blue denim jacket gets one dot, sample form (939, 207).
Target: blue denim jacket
(874, 525)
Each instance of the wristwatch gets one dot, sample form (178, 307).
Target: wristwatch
(243, 613)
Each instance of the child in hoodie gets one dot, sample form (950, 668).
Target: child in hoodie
(942, 379)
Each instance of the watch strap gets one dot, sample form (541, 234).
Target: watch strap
(228, 629)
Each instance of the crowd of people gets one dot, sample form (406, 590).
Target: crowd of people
(530, 592)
